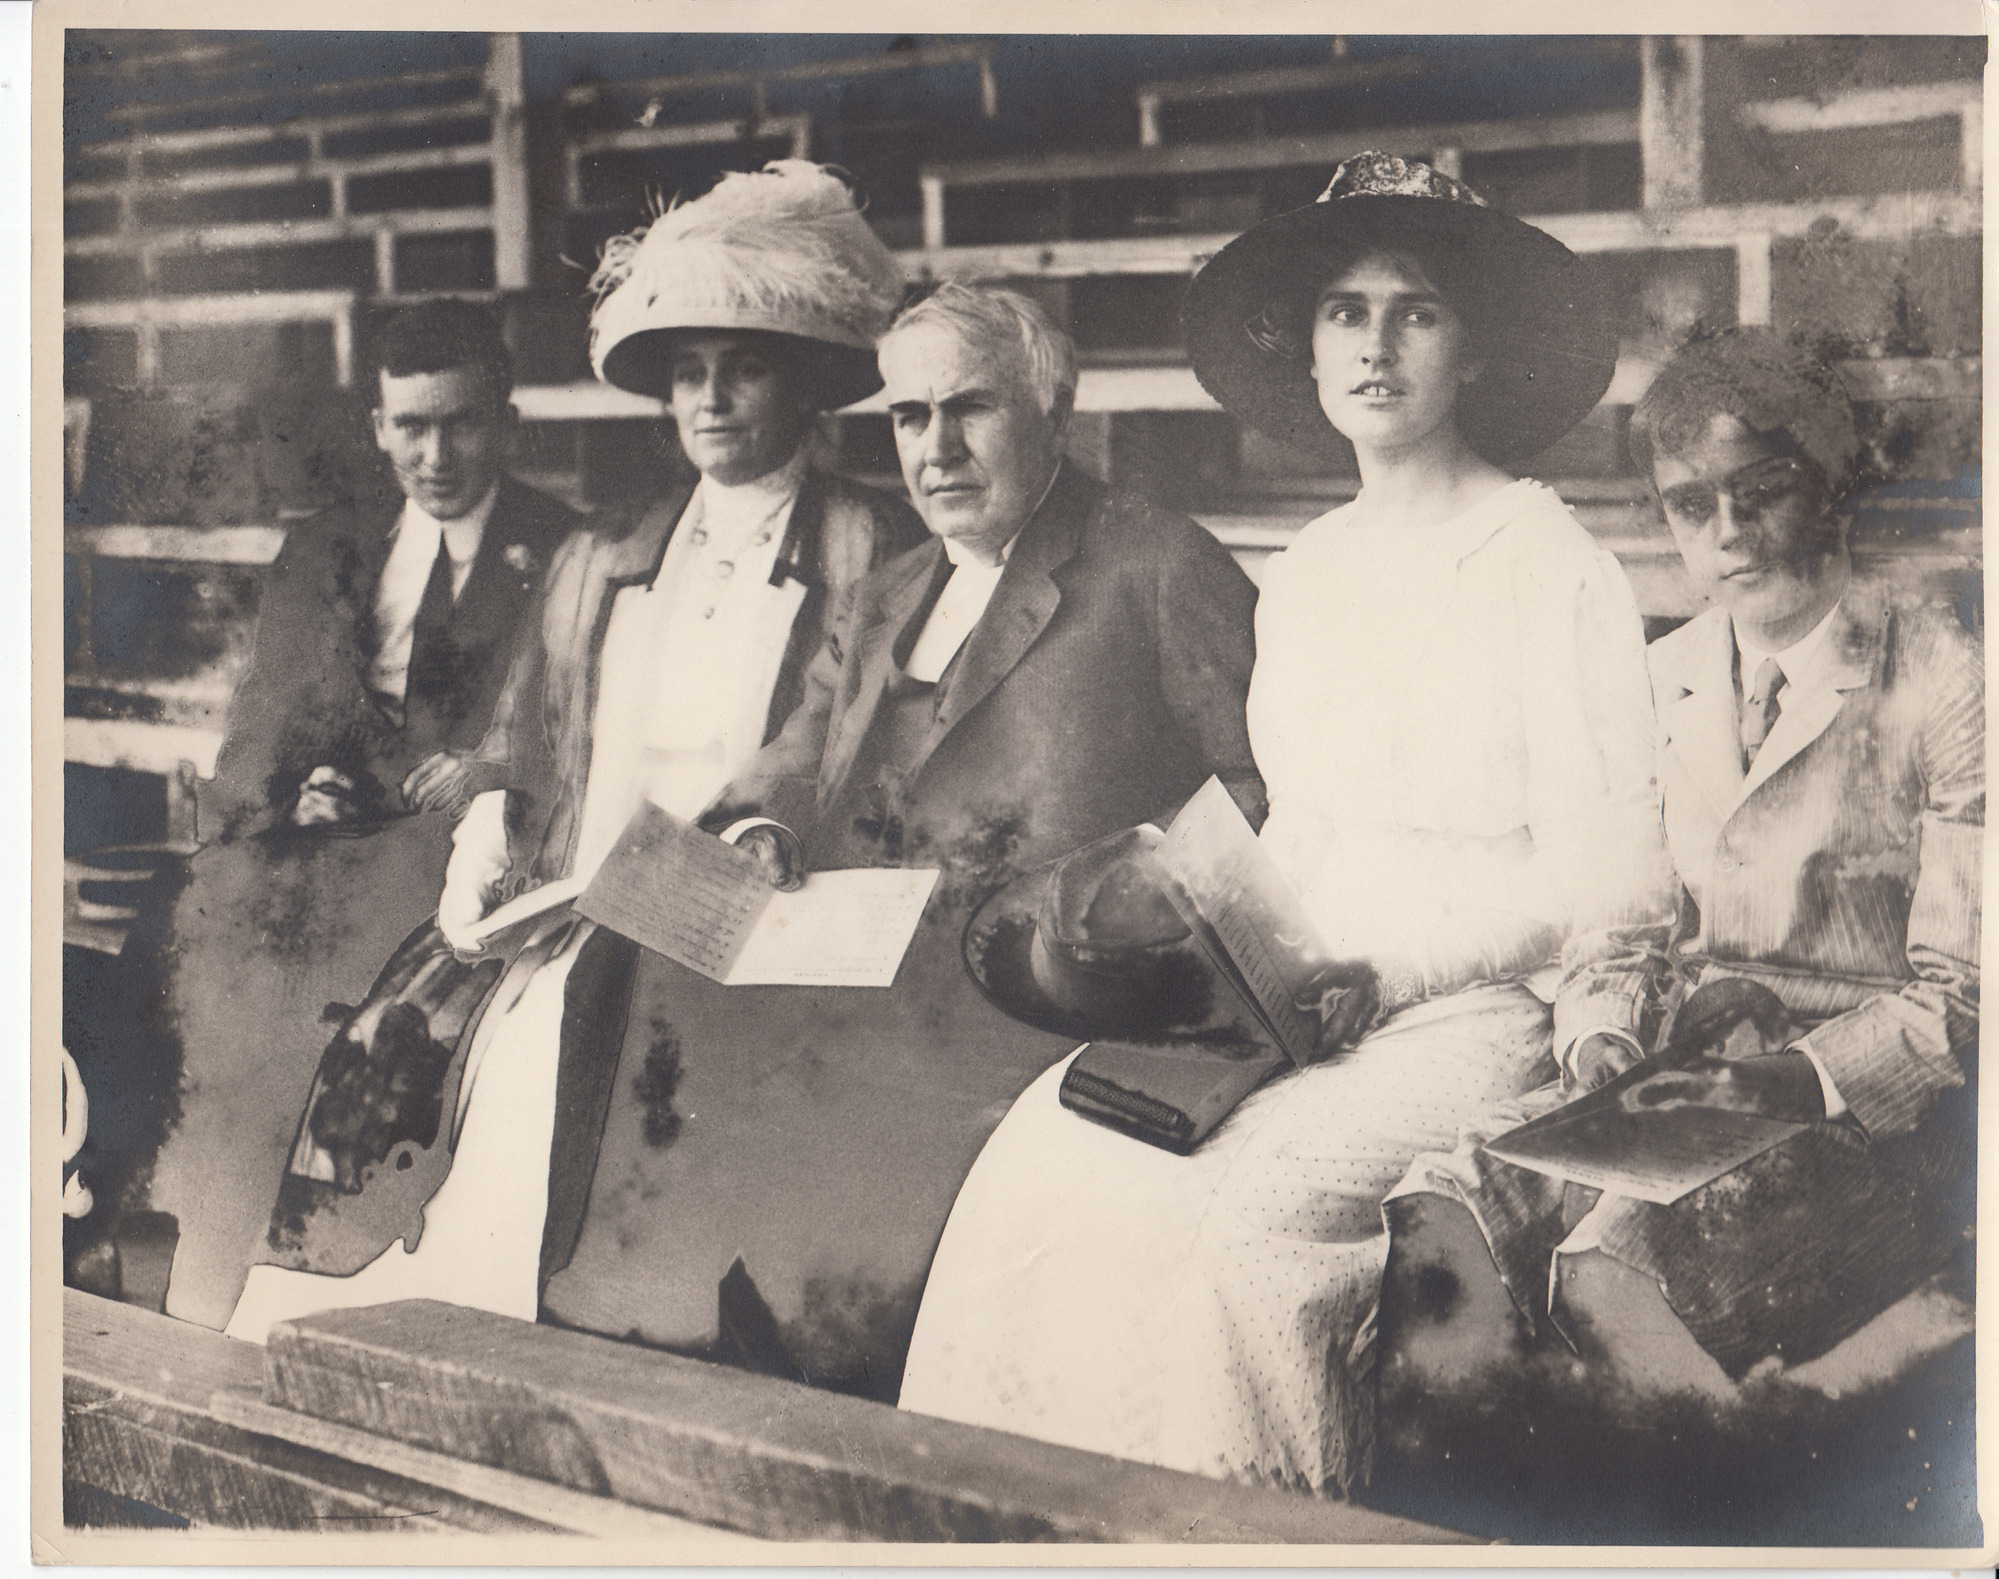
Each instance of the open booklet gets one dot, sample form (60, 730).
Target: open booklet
(1636, 1136)
(683, 893)
(1243, 913)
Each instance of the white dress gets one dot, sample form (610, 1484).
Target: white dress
(1455, 729)
(709, 606)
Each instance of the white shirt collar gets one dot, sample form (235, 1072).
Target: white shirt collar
(1795, 659)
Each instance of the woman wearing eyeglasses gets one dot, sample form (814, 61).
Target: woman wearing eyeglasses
(1821, 761)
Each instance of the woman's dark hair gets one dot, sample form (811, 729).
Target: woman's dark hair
(436, 336)
(1774, 387)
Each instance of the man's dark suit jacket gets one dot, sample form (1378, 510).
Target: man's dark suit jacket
(276, 923)
(1103, 684)
(304, 701)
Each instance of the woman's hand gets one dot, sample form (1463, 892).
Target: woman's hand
(1345, 997)
(1600, 1059)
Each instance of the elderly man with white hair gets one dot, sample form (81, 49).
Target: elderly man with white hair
(1058, 662)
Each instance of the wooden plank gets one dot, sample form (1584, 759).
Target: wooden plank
(284, 174)
(750, 128)
(144, 748)
(284, 232)
(137, 1425)
(923, 58)
(201, 545)
(513, 214)
(751, 1453)
(555, 1507)
(1898, 106)
(1889, 217)
(183, 311)
(1672, 99)
(1592, 128)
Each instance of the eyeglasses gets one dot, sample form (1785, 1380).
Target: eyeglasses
(1759, 486)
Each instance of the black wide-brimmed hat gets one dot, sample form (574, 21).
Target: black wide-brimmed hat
(1544, 330)
(1091, 946)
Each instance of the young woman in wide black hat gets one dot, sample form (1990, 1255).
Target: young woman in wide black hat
(1451, 711)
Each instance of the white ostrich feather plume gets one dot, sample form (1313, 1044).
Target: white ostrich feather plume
(783, 249)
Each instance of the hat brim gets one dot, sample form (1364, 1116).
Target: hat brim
(1548, 343)
(1199, 1006)
(837, 375)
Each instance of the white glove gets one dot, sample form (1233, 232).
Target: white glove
(477, 868)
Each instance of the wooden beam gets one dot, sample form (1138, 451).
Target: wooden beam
(137, 1425)
(547, 1505)
(164, 240)
(310, 169)
(142, 747)
(1897, 106)
(1887, 217)
(1591, 128)
(926, 57)
(752, 1453)
(1671, 108)
(513, 218)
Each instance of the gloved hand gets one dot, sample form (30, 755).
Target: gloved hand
(475, 874)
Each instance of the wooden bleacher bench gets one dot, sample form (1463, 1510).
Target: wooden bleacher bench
(428, 1415)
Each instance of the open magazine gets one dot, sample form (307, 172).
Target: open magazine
(1635, 1136)
(1253, 930)
(1243, 913)
(687, 895)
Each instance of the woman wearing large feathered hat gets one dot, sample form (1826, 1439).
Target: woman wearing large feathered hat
(671, 645)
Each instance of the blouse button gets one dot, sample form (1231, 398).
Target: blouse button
(725, 570)
(761, 539)
(698, 536)
(708, 613)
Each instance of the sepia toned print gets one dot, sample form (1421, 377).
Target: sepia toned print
(1527, 489)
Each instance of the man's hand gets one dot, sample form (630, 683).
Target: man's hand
(1345, 997)
(326, 796)
(437, 783)
(1775, 1085)
(777, 850)
(1600, 1059)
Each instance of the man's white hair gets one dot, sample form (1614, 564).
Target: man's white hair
(988, 317)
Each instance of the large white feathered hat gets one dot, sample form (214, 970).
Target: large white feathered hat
(783, 250)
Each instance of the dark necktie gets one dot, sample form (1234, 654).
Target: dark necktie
(1760, 709)
(433, 655)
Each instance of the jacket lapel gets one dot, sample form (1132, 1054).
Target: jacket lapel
(1022, 605)
(1846, 661)
(497, 582)
(1701, 722)
(878, 625)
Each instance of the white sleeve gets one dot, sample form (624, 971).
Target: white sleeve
(478, 863)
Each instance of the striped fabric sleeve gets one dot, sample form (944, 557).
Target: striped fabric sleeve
(1891, 1057)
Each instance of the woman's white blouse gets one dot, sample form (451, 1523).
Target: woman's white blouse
(1455, 727)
